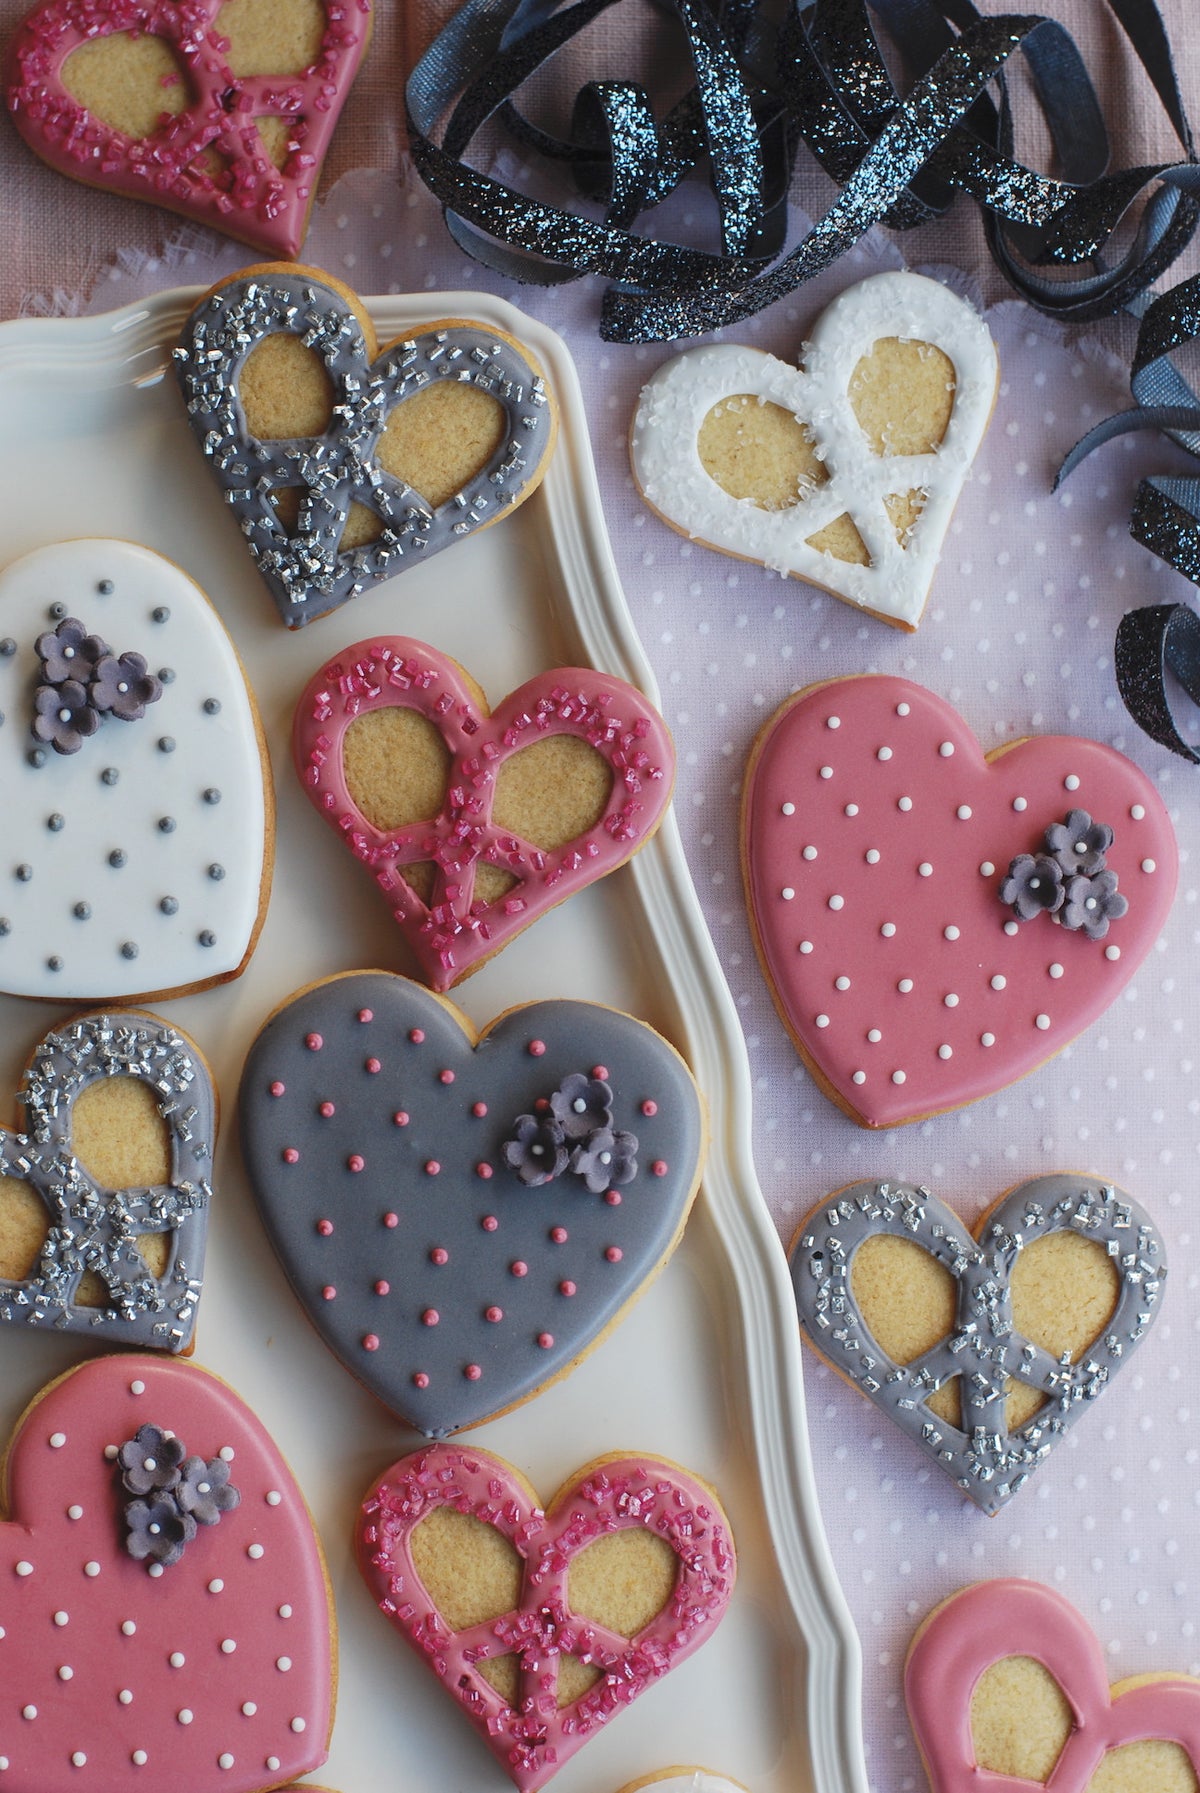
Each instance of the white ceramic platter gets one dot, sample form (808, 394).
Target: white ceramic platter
(705, 1370)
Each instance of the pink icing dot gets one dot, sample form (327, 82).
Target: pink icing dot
(366, 1014)
(278, 1088)
(545, 1340)
(518, 1268)
(417, 1035)
(479, 1109)
(370, 1342)
(649, 1108)
(472, 1372)
(313, 1041)
(489, 1223)
(328, 1292)
(566, 1288)
(432, 1167)
(324, 1227)
(600, 1072)
(326, 1108)
(430, 1317)
(290, 1155)
(660, 1167)
(558, 1234)
(494, 1314)
(439, 1255)
(372, 1065)
(400, 1118)
(536, 1048)
(420, 1379)
(355, 1161)
(613, 1197)
(382, 1287)
(483, 1170)
(445, 1076)
(613, 1253)
(391, 1220)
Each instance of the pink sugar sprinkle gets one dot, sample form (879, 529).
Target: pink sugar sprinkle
(485, 1171)
(328, 1292)
(372, 1066)
(536, 1048)
(325, 1227)
(558, 1234)
(479, 1109)
(326, 1108)
(613, 1197)
(290, 1155)
(370, 1342)
(391, 1220)
(420, 1379)
(400, 1118)
(432, 1167)
(430, 1317)
(439, 1255)
(277, 1088)
(545, 1340)
(355, 1161)
(445, 1076)
(489, 1223)
(660, 1167)
(494, 1314)
(313, 1041)
(416, 1035)
(366, 1014)
(472, 1372)
(649, 1108)
(613, 1253)
(566, 1288)
(518, 1268)
(600, 1072)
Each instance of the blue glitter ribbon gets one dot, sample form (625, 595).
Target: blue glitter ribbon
(768, 77)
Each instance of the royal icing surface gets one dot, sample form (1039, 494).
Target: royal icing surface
(987, 1461)
(674, 404)
(455, 931)
(304, 568)
(876, 838)
(614, 1495)
(209, 161)
(994, 1619)
(93, 1228)
(401, 1173)
(134, 864)
(213, 1672)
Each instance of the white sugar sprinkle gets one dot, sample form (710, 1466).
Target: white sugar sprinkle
(787, 809)
(905, 985)
(872, 855)
(925, 869)
(1112, 952)
(851, 809)
(998, 981)
(57, 1440)
(945, 1052)
(1020, 804)
(904, 803)
(837, 902)
(822, 1020)
(899, 1077)
(1071, 782)
(874, 1036)
(1138, 812)
(1056, 969)
(987, 1039)
(809, 853)
(1148, 865)
(964, 812)
(254, 1551)
(888, 929)
(833, 722)
(1042, 1021)
(950, 933)
(826, 771)
(884, 753)
(859, 1077)
(787, 893)
(273, 1497)
(806, 946)
(841, 983)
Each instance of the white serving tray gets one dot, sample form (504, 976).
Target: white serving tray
(706, 1369)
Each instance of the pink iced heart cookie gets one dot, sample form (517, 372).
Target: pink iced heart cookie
(1156, 1718)
(225, 118)
(163, 1602)
(590, 1634)
(935, 922)
(468, 839)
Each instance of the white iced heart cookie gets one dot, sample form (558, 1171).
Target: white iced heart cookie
(844, 471)
(134, 797)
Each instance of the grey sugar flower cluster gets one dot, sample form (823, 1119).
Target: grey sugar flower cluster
(172, 1494)
(572, 1130)
(82, 681)
(1070, 880)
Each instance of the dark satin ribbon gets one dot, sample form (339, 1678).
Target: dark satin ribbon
(768, 76)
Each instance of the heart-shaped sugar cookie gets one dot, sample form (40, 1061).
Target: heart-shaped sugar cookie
(344, 463)
(985, 1351)
(222, 110)
(104, 1194)
(208, 1664)
(474, 824)
(844, 472)
(978, 1658)
(624, 1574)
(134, 792)
(895, 878)
(443, 1207)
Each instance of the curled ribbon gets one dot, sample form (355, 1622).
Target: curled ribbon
(768, 77)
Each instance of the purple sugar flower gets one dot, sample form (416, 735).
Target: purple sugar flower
(122, 686)
(1079, 844)
(1092, 903)
(1034, 886)
(536, 1150)
(581, 1105)
(63, 717)
(69, 652)
(157, 1530)
(605, 1158)
(150, 1461)
(204, 1490)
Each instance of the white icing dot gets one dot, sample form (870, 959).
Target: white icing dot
(1148, 865)
(809, 853)
(874, 1036)
(139, 1758)
(833, 722)
(78, 1759)
(841, 983)
(1042, 1021)
(964, 812)
(110, 1451)
(945, 1052)
(298, 1724)
(787, 809)
(66, 1672)
(884, 753)
(285, 1611)
(872, 855)
(1138, 812)
(225, 1760)
(273, 1497)
(1112, 952)
(228, 1646)
(925, 869)
(987, 1039)
(1019, 804)
(987, 869)
(177, 1659)
(902, 709)
(29, 1712)
(127, 1627)
(888, 929)
(184, 1715)
(806, 946)
(254, 1551)
(125, 1696)
(24, 1568)
(899, 1077)
(1056, 969)
(787, 893)
(946, 749)
(1071, 782)
(1012, 927)
(905, 985)
(216, 1586)
(57, 1440)
(822, 1020)
(75, 1512)
(950, 933)
(62, 1618)
(283, 1664)
(226, 1453)
(272, 1763)
(998, 981)
(249, 1708)
(860, 1077)
(950, 1000)
(826, 771)
(904, 803)
(837, 902)
(155, 1570)
(137, 1388)
(851, 809)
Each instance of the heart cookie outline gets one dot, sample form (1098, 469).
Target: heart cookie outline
(453, 934)
(616, 1492)
(126, 1620)
(990, 1620)
(492, 1287)
(304, 569)
(676, 485)
(160, 169)
(984, 1459)
(875, 836)
(92, 1227)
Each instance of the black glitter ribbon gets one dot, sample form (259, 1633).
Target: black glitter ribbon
(1160, 639)
(768, 76)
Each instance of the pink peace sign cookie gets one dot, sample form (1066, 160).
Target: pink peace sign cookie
(235, 145)
(552, 1627)
(466, 866)
(934, 921)
(993, 1620)
(163, 1601)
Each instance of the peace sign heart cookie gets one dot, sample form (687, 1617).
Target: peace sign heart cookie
(935, 922)
(163, 1600)
(845, 471)
(221, 112)
(135, 800)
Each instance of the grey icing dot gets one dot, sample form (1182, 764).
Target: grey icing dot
(216, 872)
(36, 756)
(166, 743)
(129, 949)
(104, 587)
(167, 674)
(161, 614)
(207, 937)
(82, 911)
(24, 873)
(58, 611)
(169, 905)
(118, 857)
(109, 775)
(56, 822)
(212, 794)
(8, 647)
(54, 963)
(166, 824)
(212, 706)
(5, 926)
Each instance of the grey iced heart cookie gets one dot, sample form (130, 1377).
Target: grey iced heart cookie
(985, 1350)
(104, 1194)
